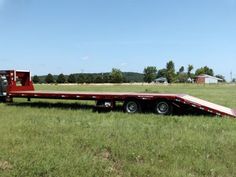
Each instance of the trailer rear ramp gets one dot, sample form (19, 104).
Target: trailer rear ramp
(207, 106)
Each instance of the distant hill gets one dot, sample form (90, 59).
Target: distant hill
(128, 76)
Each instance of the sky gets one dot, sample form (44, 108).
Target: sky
(73, 36)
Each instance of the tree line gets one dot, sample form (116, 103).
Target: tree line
(115, 76)
(182, 75)
(150, 73)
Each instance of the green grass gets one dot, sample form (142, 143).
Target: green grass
(53, 141)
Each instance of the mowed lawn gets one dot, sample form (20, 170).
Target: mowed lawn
(47, 138)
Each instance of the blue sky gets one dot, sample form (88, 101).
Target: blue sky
(96, 35)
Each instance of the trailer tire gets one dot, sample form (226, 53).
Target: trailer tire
(3, 99)
(132, 106)
(163, 108)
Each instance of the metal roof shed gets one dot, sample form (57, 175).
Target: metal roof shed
(207, 79)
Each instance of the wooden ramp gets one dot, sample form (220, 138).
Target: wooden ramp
(207, 106)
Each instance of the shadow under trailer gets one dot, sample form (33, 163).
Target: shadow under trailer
(18, 84)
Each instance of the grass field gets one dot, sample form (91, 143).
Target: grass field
(47, 139)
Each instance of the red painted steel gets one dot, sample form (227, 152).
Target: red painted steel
(116, 96)
(18, 80)
(26, 90)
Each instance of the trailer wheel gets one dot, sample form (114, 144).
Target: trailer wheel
(132, 107)
(163, 108)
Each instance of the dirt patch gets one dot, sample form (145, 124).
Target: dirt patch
(106, 154)
(5, 165)
(116, 166)
(139, 159)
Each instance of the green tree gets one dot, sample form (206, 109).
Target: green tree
(204, 70)
(106, 79)
(221, 77)
(81, 79)
(170, 71)
(181, 69)
(61, 78)
(116, 76)
(71, 78)
(182, 77)
(150, 73)
(98, 79)
(89, 79)
(36, 79)
(161, 73)
(49, 79)
(190, 68)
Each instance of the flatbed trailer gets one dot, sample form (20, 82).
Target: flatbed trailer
(18, 84)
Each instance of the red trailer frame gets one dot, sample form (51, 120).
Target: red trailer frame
(20, 85)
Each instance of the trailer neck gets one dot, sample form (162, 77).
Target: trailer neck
(15, 80)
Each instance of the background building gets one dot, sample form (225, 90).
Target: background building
(207, 79)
